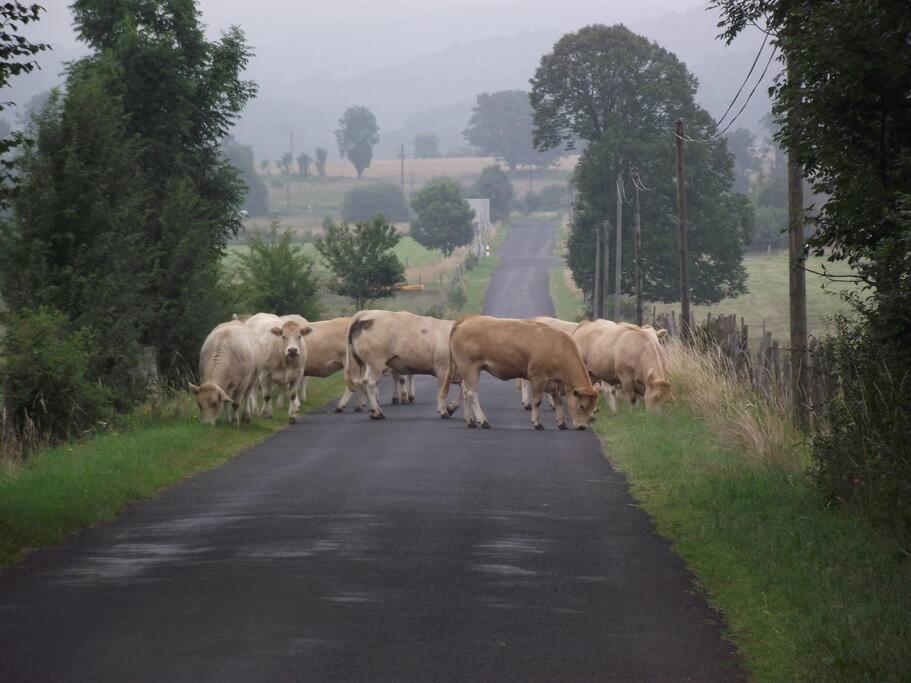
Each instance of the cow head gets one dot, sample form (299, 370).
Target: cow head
(292, 338)
(210, 398)
(582, 404)
(657, 390)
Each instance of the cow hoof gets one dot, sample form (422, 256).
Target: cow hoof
(395, 401)
(485, 425)
(377, 416)
(292, 420)
(539, 427)
(444, 415)
(411, 399)
(339, 410)
(581, 427)
(527, 406)
(562, 425)
(357, 409)
(471, 425)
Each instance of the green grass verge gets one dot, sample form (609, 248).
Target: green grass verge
(477, 279)
(63, 489)
(809, 593)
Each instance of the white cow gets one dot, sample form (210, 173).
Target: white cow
(284, 357)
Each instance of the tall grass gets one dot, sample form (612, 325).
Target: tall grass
(758, 427)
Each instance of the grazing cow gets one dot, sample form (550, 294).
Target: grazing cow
(524, 387)
(511, 349)
(403, 342)
(284, 357)
(327, 347)
(228, 370)
(626, 355)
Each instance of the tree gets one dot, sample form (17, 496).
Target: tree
(501, 126)
(321, 155)
(495, 185)
(16, 53)
(366, 201)
(303, 164)
(742, 143)
(426, 146)
(264, 166)
(256, 202)
(362, 259)
(285, 163)
(276, 276)
(129, 162)
(621, 93)
(443, 218)
(356, 135)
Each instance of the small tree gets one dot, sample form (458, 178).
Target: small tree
(495, 185)
(321, 156)
(364, 202)
(356, 136)
(362, 259)
(303, 164)
(264, 166)
(443, 218)
(285, 163)
(276, 276)
(426, 146)
(256, 202)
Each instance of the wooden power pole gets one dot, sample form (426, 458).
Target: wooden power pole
(681, 226)
(596, 288)
(288, 172)
(605, 281)
(402, 168)
(797, 283)
(637, 239)
(618, 268)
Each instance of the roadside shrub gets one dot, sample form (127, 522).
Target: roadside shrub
(50, 370)
(456, 298)
(276, 276)
(494, 184)
(552, 198)
(862, 451)
(364, 202)
(471, 261)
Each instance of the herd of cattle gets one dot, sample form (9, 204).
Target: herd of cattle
(243, 359)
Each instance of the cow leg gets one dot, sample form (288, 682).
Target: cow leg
(343, 401)
(552, 401)
(557, 402)
(526, 395)
(474, 416)
(537, 395)
(442, 393)
(610, 396)
(454, 405)
(265, 385)
(293, 400)
(396, 388)
(410, 388)
(371, 389)
(302, 390)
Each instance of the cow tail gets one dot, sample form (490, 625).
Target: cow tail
(354, 364)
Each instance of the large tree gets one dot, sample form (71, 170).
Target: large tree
(501, 126)
(621, 93)
(494, 184)
(362, 259)
(241, 157)
(357, 134)
(147, 111)
(443, 218)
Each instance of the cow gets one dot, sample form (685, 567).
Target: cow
(326, 353)
(403, 342)
(626, 355)
(284, 357)
(228, 370)
(402, 388)
(511, 349)
(524, 387)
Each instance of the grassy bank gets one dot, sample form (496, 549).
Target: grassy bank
(477, 279)
(809, 593)
(61, 490)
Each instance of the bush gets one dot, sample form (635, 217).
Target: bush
(861, 452)
(495, 185)
(552, 198)
(50, 370)
(276, 276)
(365, 202)
(471, 261)
(444, 218)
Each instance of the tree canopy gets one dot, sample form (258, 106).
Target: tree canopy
(443, 217)
(356, 135)
(256, 201)
(621, 93)
(364, 202)
(362, 259)
(426, 146)
(501, 126)
(495, 185)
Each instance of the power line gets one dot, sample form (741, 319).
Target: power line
(743, 85)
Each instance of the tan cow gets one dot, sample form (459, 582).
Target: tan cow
(403, 342)
(523, 385)
(626, 355)
(228, 370)
(327, 348)
(512, 349)
(284, 357)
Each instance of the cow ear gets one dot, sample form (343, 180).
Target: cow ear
(306, 330)
(661, 334)
(277, 331)
(193, 388)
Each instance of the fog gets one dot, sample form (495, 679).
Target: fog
(416, 64)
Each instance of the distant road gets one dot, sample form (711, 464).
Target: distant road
(411, 549)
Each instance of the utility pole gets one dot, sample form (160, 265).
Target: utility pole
(684, 247)
(637, 238)
(618, 270)
(605, 281)
(797, 282)
(597, 288)
(288, 173)
(402, 169)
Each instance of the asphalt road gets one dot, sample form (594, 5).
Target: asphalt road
(407, 549)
